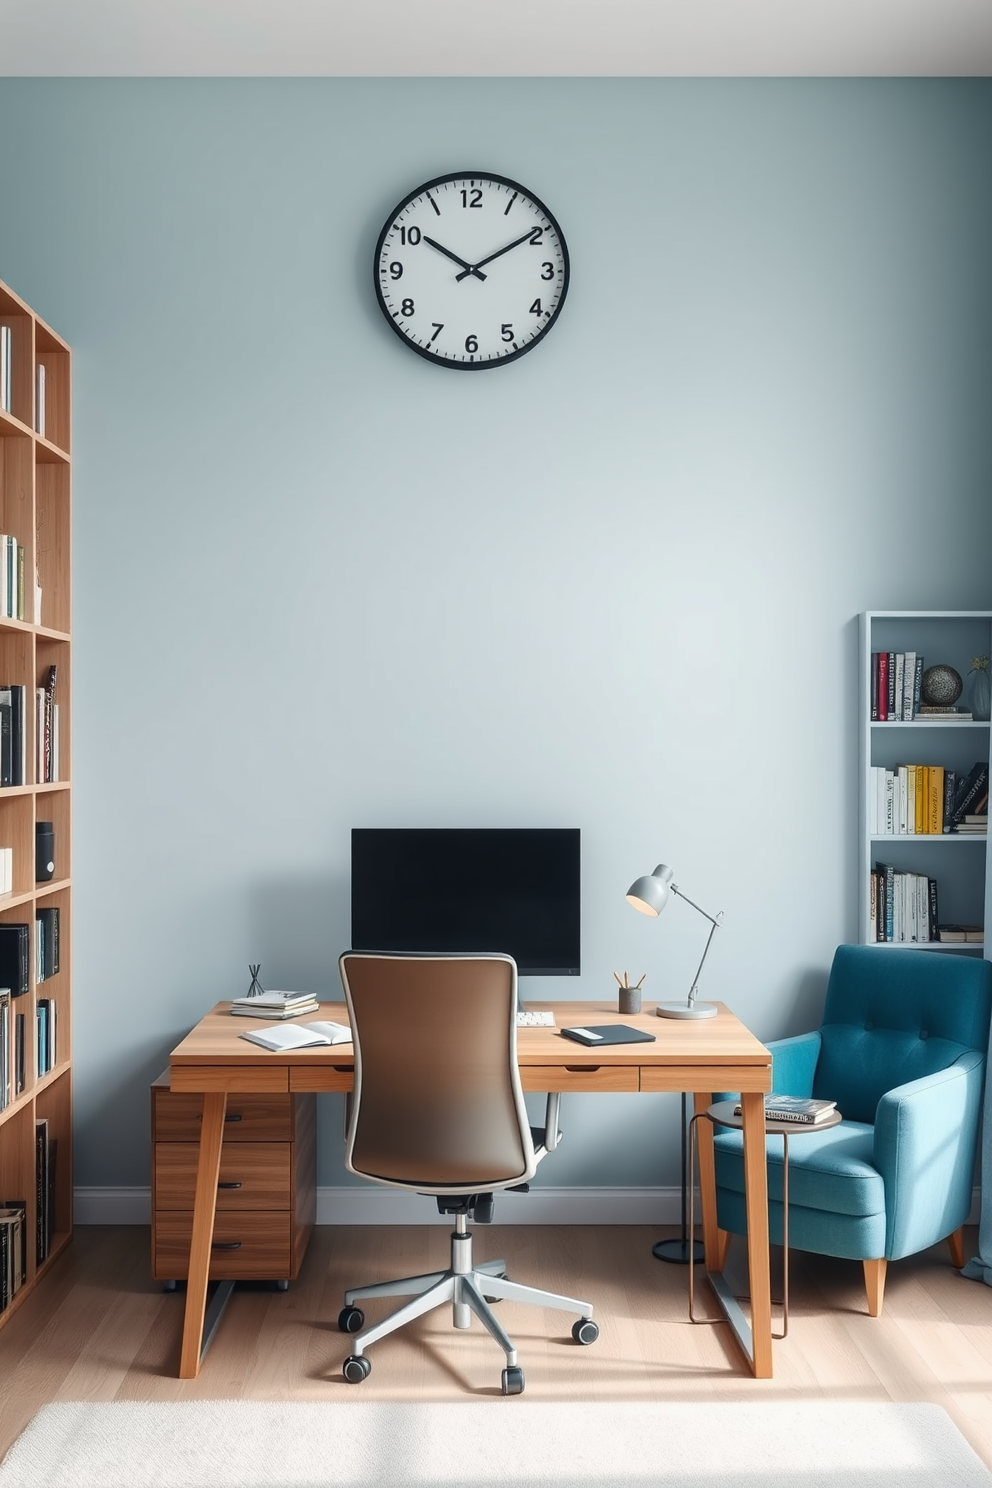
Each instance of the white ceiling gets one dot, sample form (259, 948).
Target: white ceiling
(495, 38)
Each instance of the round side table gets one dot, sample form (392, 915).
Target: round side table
(722, 1113)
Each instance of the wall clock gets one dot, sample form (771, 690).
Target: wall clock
(471, 270)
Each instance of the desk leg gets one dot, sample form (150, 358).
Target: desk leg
(759, 1266)
(204, 1206)
(701, 1102)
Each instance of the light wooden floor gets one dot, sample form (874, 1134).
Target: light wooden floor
(100, 1330)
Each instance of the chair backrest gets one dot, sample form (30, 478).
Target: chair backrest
(437, 1104)
(896, 1015)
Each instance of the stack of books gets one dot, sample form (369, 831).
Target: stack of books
(274, 1005)
(802, 1110)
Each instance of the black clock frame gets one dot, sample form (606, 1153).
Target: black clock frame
(423, 351)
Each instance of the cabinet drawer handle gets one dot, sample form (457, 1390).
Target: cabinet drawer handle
(583, 1069)
(226, 1245)
(229, 1185)
(228, 1116)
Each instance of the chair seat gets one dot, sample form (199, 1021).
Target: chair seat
(829, 1170)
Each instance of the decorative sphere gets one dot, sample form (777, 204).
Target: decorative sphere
(942, 686)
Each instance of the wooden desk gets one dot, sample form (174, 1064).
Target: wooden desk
(703, 1057)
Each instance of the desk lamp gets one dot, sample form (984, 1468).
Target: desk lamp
(649, 895)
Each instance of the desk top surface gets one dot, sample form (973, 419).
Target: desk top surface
(707, 1042)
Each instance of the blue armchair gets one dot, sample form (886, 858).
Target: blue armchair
(901, 1049)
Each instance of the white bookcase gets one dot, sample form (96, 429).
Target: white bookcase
(959, 864)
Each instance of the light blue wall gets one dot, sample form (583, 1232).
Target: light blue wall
(321, 583)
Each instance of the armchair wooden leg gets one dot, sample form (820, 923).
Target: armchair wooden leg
(875, 1285)
(956, 1243)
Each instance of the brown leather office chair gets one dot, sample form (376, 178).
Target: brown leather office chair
(438, 1108)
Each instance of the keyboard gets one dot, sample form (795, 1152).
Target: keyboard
(536, 1020)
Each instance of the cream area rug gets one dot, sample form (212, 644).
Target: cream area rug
(503, 1443)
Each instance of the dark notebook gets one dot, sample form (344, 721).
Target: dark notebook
(608, 1033)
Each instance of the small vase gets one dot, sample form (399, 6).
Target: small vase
(981, 694)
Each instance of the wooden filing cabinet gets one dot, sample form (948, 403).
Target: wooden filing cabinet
(266, 1195)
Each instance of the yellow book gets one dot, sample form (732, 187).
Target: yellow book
(920, 797)
(935, 796)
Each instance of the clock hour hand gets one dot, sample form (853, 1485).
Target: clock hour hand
(498, 254)
(469, 268)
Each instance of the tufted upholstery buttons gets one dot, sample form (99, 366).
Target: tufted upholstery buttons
(924, 1034)
(869, 1025)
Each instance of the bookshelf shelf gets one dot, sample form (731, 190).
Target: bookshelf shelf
(35, 512)
(939, 878)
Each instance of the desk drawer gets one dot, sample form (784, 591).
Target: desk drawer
(255, 1246)
(249, 1118)
(261, 1170)
(618, 1077)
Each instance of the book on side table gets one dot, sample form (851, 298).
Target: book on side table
(795, 1108)
(300, 1036)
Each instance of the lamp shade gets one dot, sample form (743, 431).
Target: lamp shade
(650, 894)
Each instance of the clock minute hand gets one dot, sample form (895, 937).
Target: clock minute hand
(469, 268)
(498, 254)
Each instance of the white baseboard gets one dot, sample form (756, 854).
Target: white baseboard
(385, 1206)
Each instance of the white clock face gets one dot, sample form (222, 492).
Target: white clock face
(471, 271)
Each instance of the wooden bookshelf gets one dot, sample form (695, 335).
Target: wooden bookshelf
(959, 864)
(35, 510)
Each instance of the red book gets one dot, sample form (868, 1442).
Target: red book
(883, 687)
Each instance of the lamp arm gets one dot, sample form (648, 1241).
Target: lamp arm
(695, 981)
(714, 923)
(713, 919)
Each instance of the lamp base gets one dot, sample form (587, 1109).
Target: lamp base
(677, 1251)
(686, 1010)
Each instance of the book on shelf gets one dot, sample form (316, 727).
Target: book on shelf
(801, 1109)
(973, 792)
(895, 680)
(909, 800)
(961, 934)
(902, 906)
(13, 1248)
(45, 1012)
(13, 735)
(6, 870)
(46, 942)
(300, 1036)
(933, 713)
(5, 1047)
(14, 957)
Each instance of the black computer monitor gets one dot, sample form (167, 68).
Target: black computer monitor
(469, 889)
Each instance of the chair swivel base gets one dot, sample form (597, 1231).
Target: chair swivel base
(469, 1289)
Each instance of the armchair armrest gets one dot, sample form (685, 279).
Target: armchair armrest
(926, 1133)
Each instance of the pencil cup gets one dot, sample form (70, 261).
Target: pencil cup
(630, 999)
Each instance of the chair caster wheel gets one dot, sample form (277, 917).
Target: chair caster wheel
(513, 1380)
(351, 1320)
(356, 1368)
(169, 1286)
(585, 1331)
